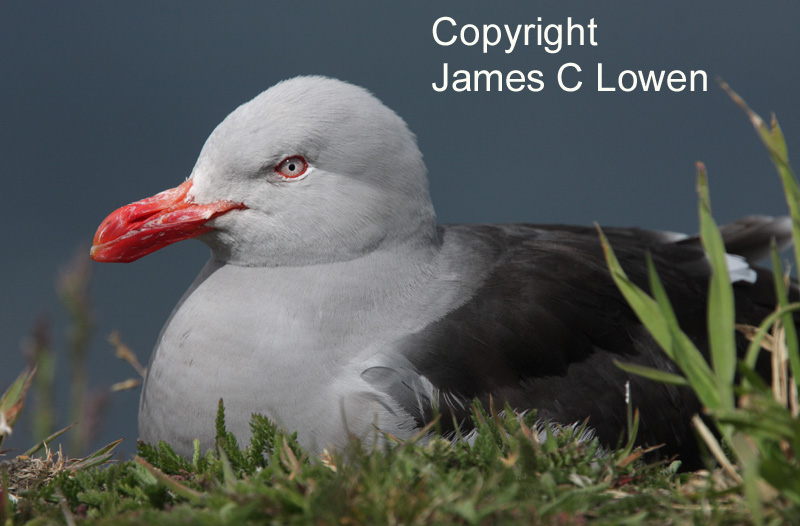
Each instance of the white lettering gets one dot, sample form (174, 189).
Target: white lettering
(577, 86)
(548, 36)
(461, 84)
(677, 77)
(488, 75)
(702, 74)
(444, 81)
(512, 38)
(592, 26)
(488, 80)
(556, 42)
(651, 80)
(600, 86)
(515, 77)
(538, 80)
(621, 81)
(651, 77)
(436, 35)
(486, 41)
(474, 30)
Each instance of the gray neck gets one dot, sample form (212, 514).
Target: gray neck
(279, 248)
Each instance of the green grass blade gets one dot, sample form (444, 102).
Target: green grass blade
(773, 139)
(653, 374)
(16, 391)
(633, 430)
(684, 353)
(645, 307)
(755, 344)
(675, 343)
(768, 423)
(790, 331)
(173, 485)
(12, 402)
(42, 443)
(779, 141)
(660, 295)
(99, 457)
(721, 312)
(697, 372)
(227, 470)
(775, 142)
(750, 462)
(751, 380)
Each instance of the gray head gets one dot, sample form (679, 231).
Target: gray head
(325, 170)
(313, 170)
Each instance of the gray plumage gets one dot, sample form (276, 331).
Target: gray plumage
(334, 303)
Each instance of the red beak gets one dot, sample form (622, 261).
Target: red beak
(145, 226)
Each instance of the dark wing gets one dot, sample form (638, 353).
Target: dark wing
(749, 236)
(544, 329)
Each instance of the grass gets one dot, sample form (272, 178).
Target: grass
(512, 472)
(508, 475)
(757, 422)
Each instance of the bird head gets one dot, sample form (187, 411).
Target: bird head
(312, 170)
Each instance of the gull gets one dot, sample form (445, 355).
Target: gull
(334, 303)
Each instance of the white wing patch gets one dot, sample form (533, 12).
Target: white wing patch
(739, 269)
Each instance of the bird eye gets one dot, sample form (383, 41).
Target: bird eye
(292, 167)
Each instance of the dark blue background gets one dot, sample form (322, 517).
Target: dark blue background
(105, 103)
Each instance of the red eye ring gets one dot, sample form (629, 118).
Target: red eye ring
(292, 167)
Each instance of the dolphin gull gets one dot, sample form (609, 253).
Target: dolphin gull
(334, 303)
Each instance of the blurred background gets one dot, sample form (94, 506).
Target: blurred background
(102, 104)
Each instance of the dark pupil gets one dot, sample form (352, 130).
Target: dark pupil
(291, 167)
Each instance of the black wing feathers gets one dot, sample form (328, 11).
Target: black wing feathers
(543, 330)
